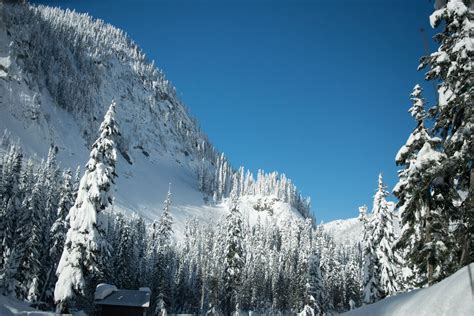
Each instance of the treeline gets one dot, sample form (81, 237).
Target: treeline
(225, 181)
(217, 268)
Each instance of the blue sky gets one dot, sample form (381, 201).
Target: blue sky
(318, 90)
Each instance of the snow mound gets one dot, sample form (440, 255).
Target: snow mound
(452, 296)
(10, 306)
(103, 290)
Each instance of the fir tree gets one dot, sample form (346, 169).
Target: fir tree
(379, 261)
(124, 256)
(11, 199)
(453, 115)
(59, 228)
(423, 207)
(316, 293)
(85, 246)
(234, 258)
(161, 273)
(30, 244)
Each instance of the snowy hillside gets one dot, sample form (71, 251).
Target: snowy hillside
(345, 230)
(351, 230)
(452, 296)
(59, 71)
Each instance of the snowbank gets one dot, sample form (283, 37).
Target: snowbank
(452, 296)
(103, 290)
(10, 306)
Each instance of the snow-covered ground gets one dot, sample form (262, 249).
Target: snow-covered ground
(452, 296)
(10, 306)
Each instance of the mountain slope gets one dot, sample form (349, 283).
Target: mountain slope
(452, 296)
(59, 71)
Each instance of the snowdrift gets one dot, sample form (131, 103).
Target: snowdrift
(452, 296)
(10, 306)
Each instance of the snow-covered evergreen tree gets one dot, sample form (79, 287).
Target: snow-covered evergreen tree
(451, 65)
(85, 247)
(60, 226)
(234, 258)
(124, 262)
(165, 224)
(423, 206)
(10, 200)
(30, 244)
(379, 261)
(317, 298)
(161, 271)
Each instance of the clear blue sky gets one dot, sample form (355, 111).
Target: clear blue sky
(318, 90)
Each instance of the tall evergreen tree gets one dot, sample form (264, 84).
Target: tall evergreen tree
(453, 115)
(30, 244)
(316, 293)
(85, 247)
(162, 273)
(379, 261)
(10, 199)
(124, 262)
(59, 229)
(423, 206)
(234, 258)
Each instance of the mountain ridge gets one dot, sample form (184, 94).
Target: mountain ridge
(57, 91)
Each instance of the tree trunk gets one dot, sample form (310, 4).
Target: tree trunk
(467, 256)
(428, 239)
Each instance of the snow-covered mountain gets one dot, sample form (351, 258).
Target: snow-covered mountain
(59, 71)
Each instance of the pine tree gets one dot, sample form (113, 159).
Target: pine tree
(423, 206)
(60, 226)
(85, 246)
(165, 225)
(139, 240)
(234, 258)
(453, 115)
(10, 201)
(379, 260)
(30, 244)
(124, 257)
(316, 292)
(161, 273)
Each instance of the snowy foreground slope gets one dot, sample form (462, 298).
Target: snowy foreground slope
(11, 306)
(452, 296)
(59, 71)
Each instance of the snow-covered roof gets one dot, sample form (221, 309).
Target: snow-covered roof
(134, 298)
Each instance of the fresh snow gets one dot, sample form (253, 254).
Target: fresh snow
(10, 306)
(452, 296)
(345, 231)
(350, 231)
(103, 290)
